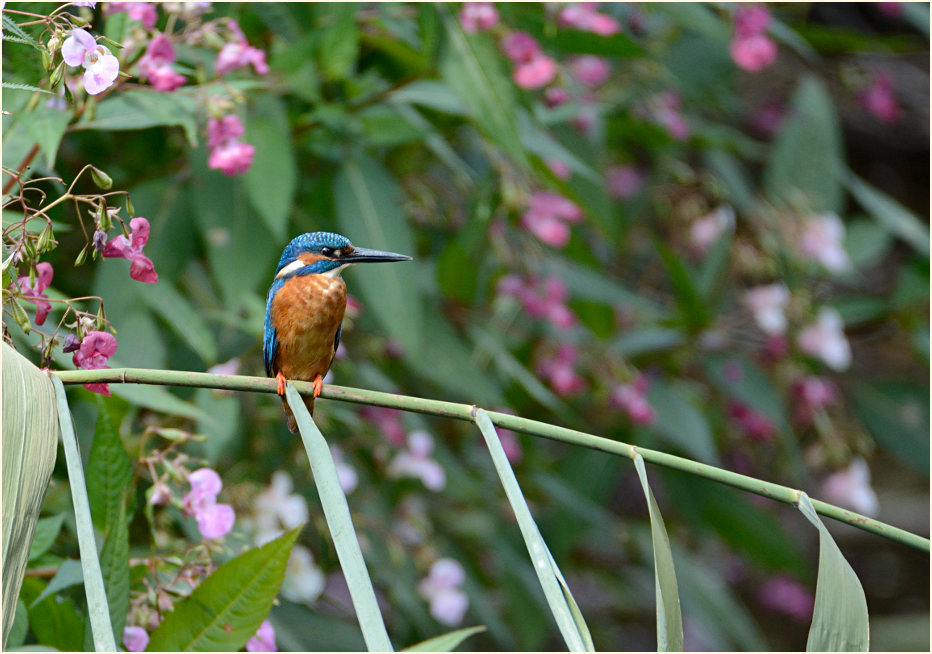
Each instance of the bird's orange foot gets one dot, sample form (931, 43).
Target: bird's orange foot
(280, 389)
(318, 385)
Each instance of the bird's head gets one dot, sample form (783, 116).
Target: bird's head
(326, 253)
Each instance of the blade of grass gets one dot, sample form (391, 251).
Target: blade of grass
(445, 642)
(559, 598)
(839, 619)
(336, 511)
(669, 616)
(97, 607)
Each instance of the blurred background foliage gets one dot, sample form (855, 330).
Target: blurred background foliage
(389, 123)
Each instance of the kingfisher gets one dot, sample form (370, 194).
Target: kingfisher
(305, 306)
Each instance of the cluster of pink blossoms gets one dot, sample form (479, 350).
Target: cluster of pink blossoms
(441, 587)
(548, 216)
(238, 53)
(751, 48)
(227, 153)
(560, 370)
(632, 398)
(213, 520)
(155, 65)
(36, 293)
(478, 16)
(583, 16)
(92, 354)
(533, 69)
(541, 298)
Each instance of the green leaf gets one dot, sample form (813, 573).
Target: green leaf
(807, 154)
(25, 87)
(339, 43)
(669, 617)
(97, 608)
(29, 445)
(133, 109)
(897, 416)
(16, 33)
(20, 627)
(160, 400)
(471, 66)
(693, 308)
(559, 598)
(678, 419)
(432, 94)
(55, 622)
(573, 41)
(69, 574)
(456, 275)
(47, 126)
(588, 283)
(645, 340)
(114, 564)
(226, 609)
(445, 642)
(46, 532)
(109, 470)
(896, 218)
(536, 140)
(839, 620)
(182, 318)
(272, 179)
(368, 204)
(336, 511)
(742, 379)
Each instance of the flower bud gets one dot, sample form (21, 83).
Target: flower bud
(46, 241)
(82, 255)
(69, 96)
(53, 45)
(46, 59)
(102, 179)
(116, 45)
(57, 75)
(78, 21)
(130, 209)
(103, 218)
(20, 316)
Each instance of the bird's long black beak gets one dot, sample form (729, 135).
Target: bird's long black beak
(365, 255)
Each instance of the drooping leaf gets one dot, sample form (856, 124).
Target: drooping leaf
(68, 574)
(226, 609)
(445, 642)
(839, 619)
(272, 179)
(669, 616)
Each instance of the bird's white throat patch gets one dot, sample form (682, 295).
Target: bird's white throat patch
(333, 274)
(297, 265)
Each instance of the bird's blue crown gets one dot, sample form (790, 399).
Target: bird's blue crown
(313, 242)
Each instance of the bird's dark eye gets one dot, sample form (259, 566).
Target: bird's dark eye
(326, 251)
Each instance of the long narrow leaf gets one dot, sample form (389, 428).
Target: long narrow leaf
(839, 620)
(445, 642)
(336, 511)
(561, 602)
(669, 617)
(97, 607)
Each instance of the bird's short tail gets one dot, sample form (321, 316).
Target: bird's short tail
(289, 415)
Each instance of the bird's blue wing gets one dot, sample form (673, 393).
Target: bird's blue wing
(269, 338)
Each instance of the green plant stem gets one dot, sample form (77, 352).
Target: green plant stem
(467, 412)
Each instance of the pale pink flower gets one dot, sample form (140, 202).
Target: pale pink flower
(36, 294)
(812, 394)
(851, 487)
(547, 216)
(559, 168)
(478, 16)
(161, 494)
(520, 47)
(825, 340)
(624, 181)
(415, 462)
(664, 109)
(144, 12)
(92, 354)
(582, 16)
(449, 606)
(535, 73)
(448, 603)
(590, 70)
(704, 232)
(135, 639)
(767, 304)
(878, 98)
(345, 473)
(554, 96)
(786, 595)
(632, 398)
(560, 371)
(753, 53)
(822, 240)
(155, 65)
(277, 507)
(100, 67)
(264, 640)
(227, 153)
(540, 298)
(387, 421)
(237, 54)
(215, 521)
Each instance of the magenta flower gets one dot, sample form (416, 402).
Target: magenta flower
(753, 53)
(555, 96)
(624, 181)
(144, 12)
(93, 353)
(632, 398)
(135, 639)
(559, 168)
(155, 65)
(547, 217)
(540, 298)
(786, 595)
(754, 424)
(239, 53)
(36, 294)
(100, 67)
(388, 421)
(535, 73)
(441, 587)
(812, 394)
(590, 70)
(583, 16)
(264, 640)
(751, 20)
(560, 371)
(141, 268)
(213, 520)
(478, 16)
(520, 47)
(227, 153)
(879, 100)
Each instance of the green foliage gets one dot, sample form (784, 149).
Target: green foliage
(446, 642)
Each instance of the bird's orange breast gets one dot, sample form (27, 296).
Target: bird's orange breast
(306, 313)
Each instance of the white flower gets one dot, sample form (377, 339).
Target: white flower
(705, 231)
(440, 587)
(278, 507)
(822, 240)
(100, 67)
(304, 581)
(825, 339)
(416, 462)
(767, 304)
(852, 487)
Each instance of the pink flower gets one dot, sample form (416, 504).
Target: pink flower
(560, 371)
(547, 216)
(583, 16)
(753, 53)
(664, 109)
(276, 507)
(559, 168)
(388, 421)
(100, 67)
(416, 462)
(540, 298)
(520, 47)
(756, 425)
(624, 181)
(822, 240)
(227, 153)
(590, 70)
(825, 340)
(144, 12)
(264, 640)
(704, 232)
(239, 53)
(346, 475)
(851, 487)
(161, 494)
(890, 9)
(213, 520)
(555, 96)
(36, 294)
(141, 268)
(478, 16)
(767, 304)
(135, 639)
(155, 65)
(632, 397)
(786, 595)
(535, 73)
(93, 353)
(751, 20)
(448, 603)
(878, 98)
(812, 394)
